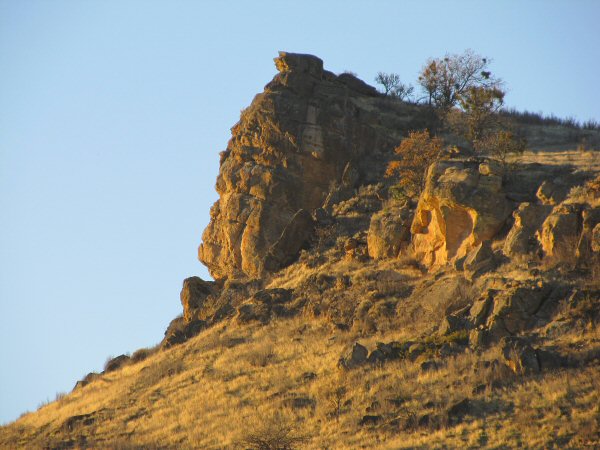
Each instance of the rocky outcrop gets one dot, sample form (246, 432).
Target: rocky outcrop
(552, 192)
(560, 231)
(180, 331)
(479, 260)
(511, 308)
(519, 355)
(289, 148)
(528, 219)
(264, 305)
(463, 204)
(355, 357)
(388, 231)
(193, 295)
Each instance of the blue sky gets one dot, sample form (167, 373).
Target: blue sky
(112, 114)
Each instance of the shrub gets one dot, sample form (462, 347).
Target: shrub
(500, 145)
(113, 364)
(335, 395)
(142, 353)
(276, 433)
(480, 106)
(261, 355)
(417, 152)
(393, 87)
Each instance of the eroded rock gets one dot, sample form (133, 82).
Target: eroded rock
(589, 240)
(560, 231)
(461, 206)
(521, 239)
(389, 231)
(193, 295)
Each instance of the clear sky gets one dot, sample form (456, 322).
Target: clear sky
(112, 114)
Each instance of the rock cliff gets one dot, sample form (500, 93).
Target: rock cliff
(309, 135)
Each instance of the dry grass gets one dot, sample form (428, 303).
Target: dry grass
(227, 384)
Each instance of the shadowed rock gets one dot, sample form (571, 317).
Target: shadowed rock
(193, 294)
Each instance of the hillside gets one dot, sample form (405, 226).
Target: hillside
(345, 315)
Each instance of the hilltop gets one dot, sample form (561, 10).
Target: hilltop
(348, 313)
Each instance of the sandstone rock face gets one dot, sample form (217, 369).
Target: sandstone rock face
(463, 204)
(290, 146)
(560, 231)
(389, 229)
(521, 239)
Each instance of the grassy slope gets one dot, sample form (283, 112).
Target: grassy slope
(210, 391)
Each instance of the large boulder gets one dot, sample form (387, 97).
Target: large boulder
(519, 355)
(308, 131)
(560, 231)
(388, 231)
(521, 239)
(180, 331)
(193, 295)
(508, 309)
(552, 192)
(355, 357)
(479, 260)
(462, 205)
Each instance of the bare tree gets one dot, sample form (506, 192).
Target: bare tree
(389, 81)
(501, 145)
(445, 80)
(275, 433)
(393, 87)
(404, 92)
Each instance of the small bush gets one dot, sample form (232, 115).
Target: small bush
(116, 363)
(275, 433)
(501, 145)
(415, 154)
(261, 356)
(142, 353)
